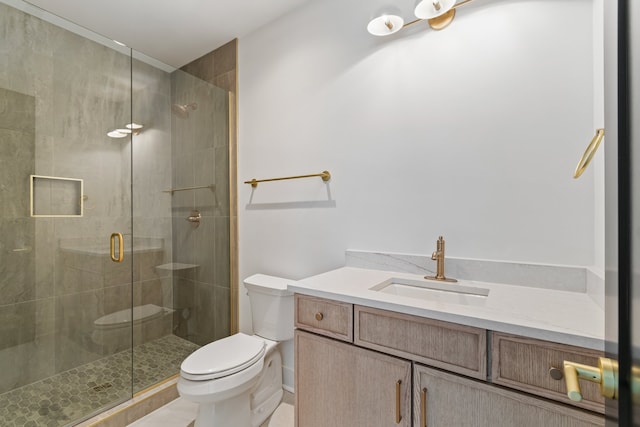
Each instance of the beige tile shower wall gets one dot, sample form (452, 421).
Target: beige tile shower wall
(201, 157)
(24, 338)
(218, 67)
(78, 90)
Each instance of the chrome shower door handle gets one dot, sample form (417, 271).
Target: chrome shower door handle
(120, 256)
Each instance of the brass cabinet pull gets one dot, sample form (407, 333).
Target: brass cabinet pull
(319, 316)
(398, 416)
(120, 256)
(423, 407)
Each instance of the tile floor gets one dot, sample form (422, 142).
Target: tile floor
(181, 413)
(68, 396)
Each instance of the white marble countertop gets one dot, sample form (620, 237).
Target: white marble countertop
(554, 315)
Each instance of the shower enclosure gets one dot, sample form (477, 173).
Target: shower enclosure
(114, 220)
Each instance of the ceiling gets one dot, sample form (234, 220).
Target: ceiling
(172, 31)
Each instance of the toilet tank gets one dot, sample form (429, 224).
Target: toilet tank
(271, 306)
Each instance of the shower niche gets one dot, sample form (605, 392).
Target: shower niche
(52, 196)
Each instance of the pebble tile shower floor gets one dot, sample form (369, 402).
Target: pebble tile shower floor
(64, 398)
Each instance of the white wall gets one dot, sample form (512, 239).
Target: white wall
(598, 121)
(472, 132)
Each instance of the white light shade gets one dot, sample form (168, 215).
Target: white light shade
(116, 134)
(134, 126)
(428, 9)
(385, 25)
(124, 130)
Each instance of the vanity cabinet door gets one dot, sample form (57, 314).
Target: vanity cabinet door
(445, 400)
(340, 385)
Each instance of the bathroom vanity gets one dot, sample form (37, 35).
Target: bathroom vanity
(366, 357)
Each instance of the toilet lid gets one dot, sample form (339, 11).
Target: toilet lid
(223, 357)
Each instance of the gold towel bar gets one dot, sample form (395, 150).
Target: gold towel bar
(588, 153)
(325, 175)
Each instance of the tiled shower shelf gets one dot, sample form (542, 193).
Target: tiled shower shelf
(173, 266)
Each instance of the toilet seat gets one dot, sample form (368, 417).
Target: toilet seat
(223, 357)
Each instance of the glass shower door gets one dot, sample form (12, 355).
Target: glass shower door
(65, 188)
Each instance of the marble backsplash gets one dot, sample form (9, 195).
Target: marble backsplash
(553, 277)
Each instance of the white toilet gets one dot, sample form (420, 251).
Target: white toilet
(237, 381)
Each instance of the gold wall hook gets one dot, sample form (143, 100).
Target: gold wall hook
(589, 153)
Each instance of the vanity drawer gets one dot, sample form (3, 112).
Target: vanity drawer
(457, 348)
(525, 364)
(325, 317)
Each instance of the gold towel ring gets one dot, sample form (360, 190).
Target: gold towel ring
(588, 153)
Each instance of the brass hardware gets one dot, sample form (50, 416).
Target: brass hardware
(606, 374)
(194, 218)
(438, 256)
(398, 415)
(211, 187)
(319, 316)
(120, 256)
(423, 407)
(388, 24)
(325, 175)
(441, 22)
(556, 373)
(589, 153)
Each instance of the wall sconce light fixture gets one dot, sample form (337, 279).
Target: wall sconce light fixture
(438, 13)
(131, 128)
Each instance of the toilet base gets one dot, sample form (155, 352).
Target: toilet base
(233, 411)
(260, 413)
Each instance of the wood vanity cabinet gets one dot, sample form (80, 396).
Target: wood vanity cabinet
(341, 385)
(360, 366)
(443, 399)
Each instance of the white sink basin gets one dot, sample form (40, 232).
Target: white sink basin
(451, 293)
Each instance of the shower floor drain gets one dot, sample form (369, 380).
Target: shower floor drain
(102, 387)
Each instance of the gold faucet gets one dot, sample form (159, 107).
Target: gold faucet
(438, 256)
